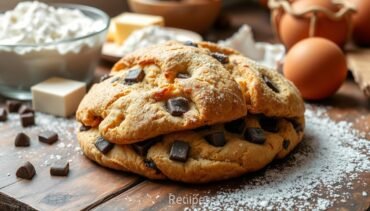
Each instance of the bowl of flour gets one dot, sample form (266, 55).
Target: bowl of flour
(39, 41)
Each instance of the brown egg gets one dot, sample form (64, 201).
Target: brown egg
(361, 23)
(293, 29)
(316, 66)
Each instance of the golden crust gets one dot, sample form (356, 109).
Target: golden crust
(132, 113)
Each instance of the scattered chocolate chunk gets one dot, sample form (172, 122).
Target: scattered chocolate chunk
(150, 164)
(27, 119)
(26, 171)
(134, 76)
(269, 124)
(221, 57)
(216, 138)
(60, 168)
(190, 43)
(179, 151)
(22, 140)
(177, 106)
(297, 126)
(48, 137)
(103, 145)
(84, 128)
(236, 126)
(270, 84)
(183, 75)
(25, 109)
(3, 115)
(105, 77)
(13, 105)
(286, 144)
(255, 135)
(142, 148)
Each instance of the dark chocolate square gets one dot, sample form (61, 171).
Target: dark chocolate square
(216, 138)
(135, 75)
(27, 119)
(103, 145)
(13, 105)
(48, 137)
(236, 126)
(60, 168)
(179, 151)
(255, 135)
(177, 106)
(269, 123)
(142, 148)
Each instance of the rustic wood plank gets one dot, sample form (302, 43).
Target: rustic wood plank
(85, 185)
(10, 204)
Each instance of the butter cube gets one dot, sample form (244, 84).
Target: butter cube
(124, 24)
(58, 96)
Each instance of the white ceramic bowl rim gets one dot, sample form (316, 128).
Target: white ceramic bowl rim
(83, 8)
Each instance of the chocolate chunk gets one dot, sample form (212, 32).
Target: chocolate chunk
(13, 105)
(183, 75)
(270, 84)
(150, 164)
(297, 126)
(27, 119)
(22, 140)
(103, 145)
(286, 144)
(142, 148)
(190, 43)
(255, 135)
(134, 76)
(26, 171)
(84, 128)
(177, 106)
(60, 168)
(48, 137)
(105, 77)
(216, 138)
(25, 109)
(269, 124)
(3, 115)
(236, 126)
(221, 57)
(179, 151)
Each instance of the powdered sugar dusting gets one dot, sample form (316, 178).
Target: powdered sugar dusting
(65, 148)
(332, 154)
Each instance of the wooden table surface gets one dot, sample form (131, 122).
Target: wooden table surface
(89, 186)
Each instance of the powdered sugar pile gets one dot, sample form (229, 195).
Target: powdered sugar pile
(332, 154)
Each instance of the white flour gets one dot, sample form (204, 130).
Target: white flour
(330, 154)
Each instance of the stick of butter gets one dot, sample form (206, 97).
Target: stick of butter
(124, 24)
(58, 96)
